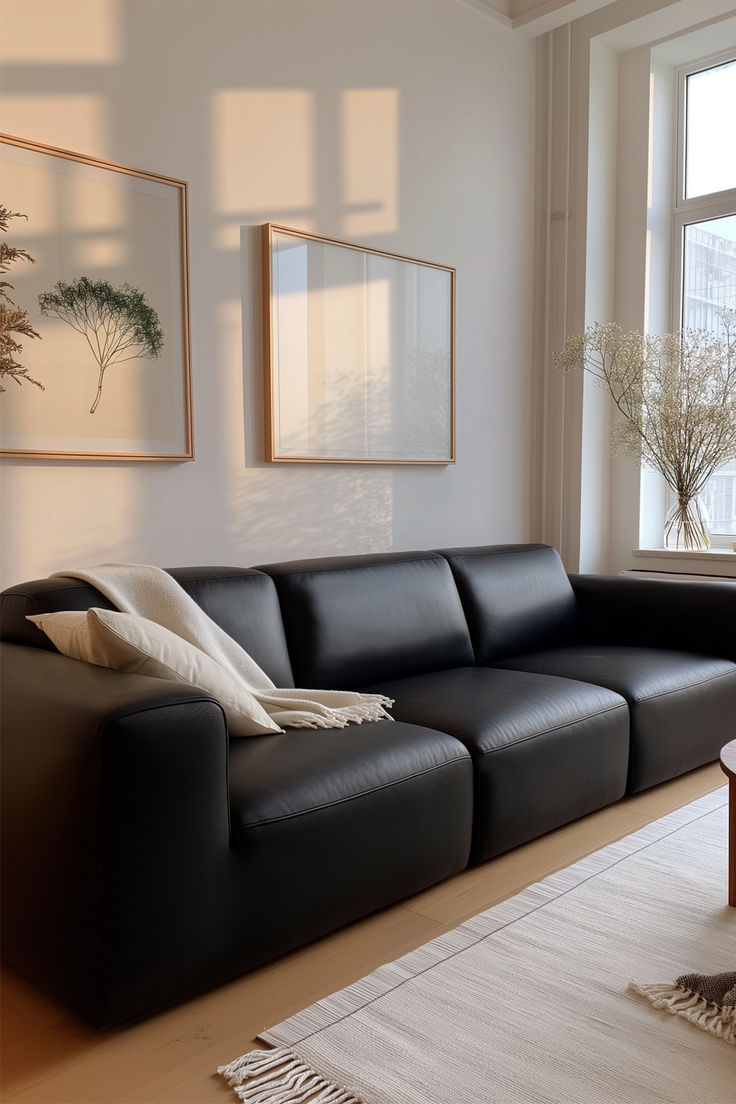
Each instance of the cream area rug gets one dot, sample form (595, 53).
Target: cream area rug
(529, 1002)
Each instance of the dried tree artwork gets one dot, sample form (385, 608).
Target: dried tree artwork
(107, 290)
(118, 324)
(14, 320)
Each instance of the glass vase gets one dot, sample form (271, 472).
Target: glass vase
(687, 526)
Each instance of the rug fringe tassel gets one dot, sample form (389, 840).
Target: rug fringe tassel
(280, 1077)
(685, 1002)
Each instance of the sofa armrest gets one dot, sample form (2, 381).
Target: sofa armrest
(659, 613)
(115, 832)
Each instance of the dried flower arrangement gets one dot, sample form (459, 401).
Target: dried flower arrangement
(677, 395)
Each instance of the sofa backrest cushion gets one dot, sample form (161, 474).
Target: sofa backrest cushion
(243, 602)
(354, 621)
(517, 598)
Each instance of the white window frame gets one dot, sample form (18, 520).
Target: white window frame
(696, 209)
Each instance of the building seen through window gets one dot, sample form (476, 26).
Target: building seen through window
(709, 244)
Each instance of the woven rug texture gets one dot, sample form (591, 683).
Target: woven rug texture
(529, 1002)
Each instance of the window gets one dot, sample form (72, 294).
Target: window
(705, 231)
(710, 151)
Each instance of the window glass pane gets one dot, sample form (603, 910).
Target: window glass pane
(709, 284)
(709, 134)
(720, 499)
(709, 281)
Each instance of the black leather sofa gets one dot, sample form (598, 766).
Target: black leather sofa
(146, 857)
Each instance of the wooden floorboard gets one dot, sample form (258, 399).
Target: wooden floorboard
(50, 1057)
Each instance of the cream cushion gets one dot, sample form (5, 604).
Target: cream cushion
(127, 642)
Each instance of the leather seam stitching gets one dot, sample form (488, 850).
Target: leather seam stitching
(678, 689)
(623, 704)
(123, 713)
(192, 582)
(34, 597)
(505, 552)
(434, 557)
(632, 700)
(217, 578)
(353, 797)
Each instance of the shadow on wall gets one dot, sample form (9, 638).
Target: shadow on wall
(350, 511)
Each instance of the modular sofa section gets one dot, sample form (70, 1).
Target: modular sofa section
(666, 647)
(147, 857)
(682, 705)
(545, 750)
(115, 832)
(329, 825)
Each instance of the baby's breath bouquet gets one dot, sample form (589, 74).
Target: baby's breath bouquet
(677, 395)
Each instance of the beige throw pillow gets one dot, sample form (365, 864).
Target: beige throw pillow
(130, 643)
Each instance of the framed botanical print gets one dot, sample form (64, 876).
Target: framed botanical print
(94, 309)
(359, 353)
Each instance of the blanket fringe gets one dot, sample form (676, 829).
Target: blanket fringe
(684, 1002)
(315, 714)
(280, 1077)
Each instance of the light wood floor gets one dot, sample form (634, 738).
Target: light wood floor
(50, 1057)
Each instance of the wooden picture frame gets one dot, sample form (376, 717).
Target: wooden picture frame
(359, 350)
(104, 373)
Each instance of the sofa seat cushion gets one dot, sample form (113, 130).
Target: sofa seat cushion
(330, 824)
(300, 771)
(680, 702)
(545, 750)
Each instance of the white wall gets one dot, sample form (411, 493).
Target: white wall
(600, 241)
(402, 124)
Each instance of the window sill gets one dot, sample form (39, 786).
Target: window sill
(718, 554)
(714, 563)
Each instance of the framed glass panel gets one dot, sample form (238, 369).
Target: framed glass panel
(359, 353)
(95, 350)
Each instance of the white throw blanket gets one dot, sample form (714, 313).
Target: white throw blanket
(152, 593)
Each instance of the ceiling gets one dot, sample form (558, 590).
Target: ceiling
(536, 16)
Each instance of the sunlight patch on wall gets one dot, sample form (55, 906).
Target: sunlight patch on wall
(263, 158)
(60, 31)
(99, 219)
(101, 253)
(90, 512)
(75, 122)
(95, 208)
(370, 156)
